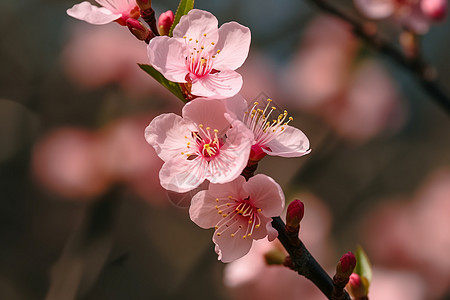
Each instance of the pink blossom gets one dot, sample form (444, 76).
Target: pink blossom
(198, 146)
(201, 55)
(240, 211)
(272, 134)
(251, 278)
(110, 10)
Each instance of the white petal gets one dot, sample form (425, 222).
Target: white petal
(92, 14)
(292, 142)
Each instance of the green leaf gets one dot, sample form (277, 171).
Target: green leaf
(171, 86)
(183, 8)
(363, 267)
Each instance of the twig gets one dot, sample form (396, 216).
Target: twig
(425, 73)
(302, 261)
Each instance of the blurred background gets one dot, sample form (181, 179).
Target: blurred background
(82, 214)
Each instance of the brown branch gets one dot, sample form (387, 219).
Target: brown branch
(424, 72)
(301, 261)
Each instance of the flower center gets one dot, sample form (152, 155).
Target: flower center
(200, 58)
(240, 217)
(264, 130)
(204, 143)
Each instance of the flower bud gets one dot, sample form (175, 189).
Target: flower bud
(294, 215)
(436, 10)
(358, 286)
(165, 21)
(274, 257)
(346, 265)
(144, 4)
(139, 30)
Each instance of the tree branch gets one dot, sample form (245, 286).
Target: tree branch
(302, 261)
(425, 73)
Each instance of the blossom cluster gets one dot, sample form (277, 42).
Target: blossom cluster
(218, 135)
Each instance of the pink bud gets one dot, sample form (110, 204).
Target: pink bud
(346, 265)
(294, 214)
(139, 30)
(434, 9)
(165, 21)
(358, 286)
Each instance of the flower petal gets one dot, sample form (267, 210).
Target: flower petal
(231, 248)
(92, 14)
(167, 55)
(266, 194)
(233, 156)
(375, 9)
(292, 142)
(210, 113)
(223, 84)
(166, 133)
(234, 43)
(117, 5)
(182, 175)
(196, 24)
(202, 210)
(232, 188)
(236, 106)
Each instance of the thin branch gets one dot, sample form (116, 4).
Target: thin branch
(425, 73)
(302, 261)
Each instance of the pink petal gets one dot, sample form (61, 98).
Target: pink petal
(234, 43)
(167, 55)
(233, 156)
(92, 14)
(166, 133)
(207, 112)
(272, 233)
(117, 5)
(202, 210)
(182, 175)
(223, 84)
(292, 142)
(195, 25)
(233, 188)
(231, 248)
(266, 194)
(236, 106)
(375, 9)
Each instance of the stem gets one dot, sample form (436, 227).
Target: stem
(416, 65)
(302, 261)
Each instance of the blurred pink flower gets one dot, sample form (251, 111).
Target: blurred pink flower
(393, 285)
(110, 10)
(271, 133)
(202, 55)
(129, 159)
(250, 278)
(414, 234)
(357, 100)
(240, 211)
(66, 162)
(194, 147)
(97, 56)
(416, 15)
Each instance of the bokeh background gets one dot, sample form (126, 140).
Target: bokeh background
(82, 215)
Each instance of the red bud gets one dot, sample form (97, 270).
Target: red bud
(165, 21)
(294, 214)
